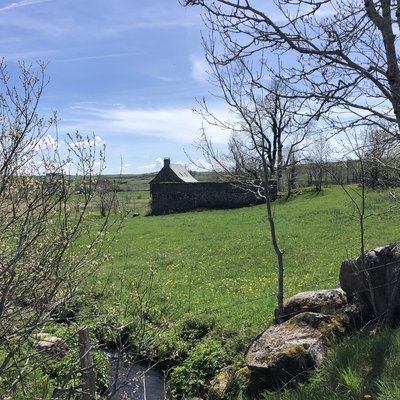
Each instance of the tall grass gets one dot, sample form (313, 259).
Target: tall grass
(361, 368)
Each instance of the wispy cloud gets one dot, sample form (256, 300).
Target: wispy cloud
(164, 78)
(199, 68)
(179, 125)
(22, 3)
(29, 56)
(157, 165)
(153, 166)
(96, 57)
(160, 24)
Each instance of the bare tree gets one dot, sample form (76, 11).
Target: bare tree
(261, 116)
(346, 52)
(355, 148)
(43, 256)
(339, 57)
(318, 157)
(265, 135)
(381, 158)
(107, 196)
(291, 174)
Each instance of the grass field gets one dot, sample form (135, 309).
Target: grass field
(190, 291)
(219, 266)
(220, 263)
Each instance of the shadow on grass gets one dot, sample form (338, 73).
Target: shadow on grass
(379, 355)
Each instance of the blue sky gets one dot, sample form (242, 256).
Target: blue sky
(128, 71)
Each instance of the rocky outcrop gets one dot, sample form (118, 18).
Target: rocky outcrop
(328, 302)
(374, 281)
(292, 348)
(51, 345)
(370, 290)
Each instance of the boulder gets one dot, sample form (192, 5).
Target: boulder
(374, 282)
(319, 301)
(291, 349)
(51, 345)
(220, 383)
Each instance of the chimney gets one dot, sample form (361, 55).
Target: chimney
(167, 162)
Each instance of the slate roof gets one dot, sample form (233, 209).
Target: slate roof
(173, 173)
(182, 173)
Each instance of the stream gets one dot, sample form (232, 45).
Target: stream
(135, 381)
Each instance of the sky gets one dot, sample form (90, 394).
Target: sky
(127, 71)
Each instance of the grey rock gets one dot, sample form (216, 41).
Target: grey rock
(292, 348)
(376, 280)
(328, 302)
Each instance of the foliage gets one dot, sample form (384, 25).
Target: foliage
(173, 345)
(207, 266)
(207, 273)
(55, 369)
(191, 377)
(66, 374)
(193, 329)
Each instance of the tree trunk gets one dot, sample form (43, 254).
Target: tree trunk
(279, 253)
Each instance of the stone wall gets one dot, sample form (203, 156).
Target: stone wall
(178, 197)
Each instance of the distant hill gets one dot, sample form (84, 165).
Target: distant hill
(140, 182)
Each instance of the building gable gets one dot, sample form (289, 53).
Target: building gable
(173, 173)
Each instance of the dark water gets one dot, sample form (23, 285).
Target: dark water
(137, 381)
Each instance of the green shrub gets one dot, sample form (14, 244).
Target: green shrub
(174, 344)
(66, 371)
(37, 385)
(193, 375)
(351, 382)
(193, 329)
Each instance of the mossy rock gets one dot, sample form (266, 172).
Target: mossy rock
(292, 348)
(329, 302)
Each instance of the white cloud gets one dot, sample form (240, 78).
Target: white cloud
(147, 168)
(157, 165)
(87, 142)
(197, 165)
(22, 3)
(96, 57)
(159, 162)
(199, 69)
(179, 125)
(47, 143)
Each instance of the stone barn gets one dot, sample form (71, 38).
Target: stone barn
(174, 189)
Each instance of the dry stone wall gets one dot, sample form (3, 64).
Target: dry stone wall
(179, 197)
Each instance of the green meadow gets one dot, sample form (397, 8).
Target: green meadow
(220, 264)
(213, 280)
(190, 291)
